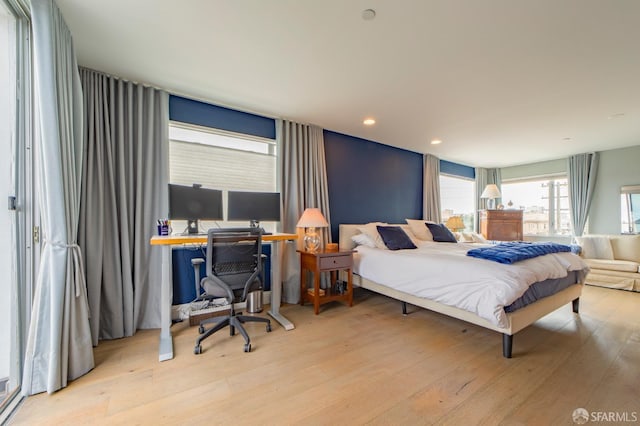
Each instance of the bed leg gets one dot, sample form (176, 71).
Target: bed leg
(507, 344)
(575, 304)
(404, 308)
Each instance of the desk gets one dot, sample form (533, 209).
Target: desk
(166, 341)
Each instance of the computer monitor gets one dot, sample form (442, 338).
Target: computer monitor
(194, 203)
(253, 206)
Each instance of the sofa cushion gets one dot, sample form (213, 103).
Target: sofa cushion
(596, 247)
(626, 247)
(613, 265)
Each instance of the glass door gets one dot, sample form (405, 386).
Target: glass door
(16, 206)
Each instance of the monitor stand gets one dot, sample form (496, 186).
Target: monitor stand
(256, 224)
(193, 227)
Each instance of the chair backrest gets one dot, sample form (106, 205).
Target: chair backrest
(234, 262)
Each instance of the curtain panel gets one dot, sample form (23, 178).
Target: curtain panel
(485, 177)
(124, 192)
(582, 171)
(303, 184)
(431, 198)
(59, 341)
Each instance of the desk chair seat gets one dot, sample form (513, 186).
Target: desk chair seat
(234, 269)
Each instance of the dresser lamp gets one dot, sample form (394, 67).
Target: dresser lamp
(311, 219)
(455, 223)
(491, 192)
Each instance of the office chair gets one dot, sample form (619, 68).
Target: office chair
(234, 269)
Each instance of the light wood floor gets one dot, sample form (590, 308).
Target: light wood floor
(366, 365)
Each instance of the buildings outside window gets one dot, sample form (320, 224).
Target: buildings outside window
(545, 205)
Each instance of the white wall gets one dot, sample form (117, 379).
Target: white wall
(617, 167)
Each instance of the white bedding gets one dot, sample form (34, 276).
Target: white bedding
(442, 272)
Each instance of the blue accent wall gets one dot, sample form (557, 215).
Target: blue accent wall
(204, 114)
(184, 290)
(455, 169)
(371, 182)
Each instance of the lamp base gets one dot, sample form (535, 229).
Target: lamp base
(312, 241)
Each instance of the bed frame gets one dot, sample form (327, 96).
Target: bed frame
(518, 319)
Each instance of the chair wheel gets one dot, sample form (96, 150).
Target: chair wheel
(247, 347)
(197, 350)
(232, 331)
(201, 329)
(268, 328)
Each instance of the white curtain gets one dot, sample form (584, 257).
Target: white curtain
(124, 193)
(582, 171)
(59, 342)
(303, 183)
(431, 193)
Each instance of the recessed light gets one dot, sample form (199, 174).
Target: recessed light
(368, 14)
(436, 142)
(566, 139)
(369, 122)
(618, 115)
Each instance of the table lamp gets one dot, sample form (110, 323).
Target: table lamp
(311, 219)
(491, 192)
(455, 223)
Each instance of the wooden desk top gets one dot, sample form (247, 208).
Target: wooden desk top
(165, 240)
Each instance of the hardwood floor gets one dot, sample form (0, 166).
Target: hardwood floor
(366, 365)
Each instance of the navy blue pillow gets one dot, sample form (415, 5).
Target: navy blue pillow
(395, 238)
(440, 233)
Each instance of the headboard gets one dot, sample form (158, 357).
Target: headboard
(349, 230)
(346, 232)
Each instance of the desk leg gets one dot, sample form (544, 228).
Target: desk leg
(276, 286)
(166, 294)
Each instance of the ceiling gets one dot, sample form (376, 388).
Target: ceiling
(500, 82)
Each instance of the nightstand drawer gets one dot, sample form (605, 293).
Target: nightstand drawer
(335, 262)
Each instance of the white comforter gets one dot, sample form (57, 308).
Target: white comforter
(442, 272)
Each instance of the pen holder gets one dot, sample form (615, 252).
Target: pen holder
(163, 229)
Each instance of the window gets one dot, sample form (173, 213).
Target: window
(457, 197)
(221, 160)
(545, 205)
(630, 209)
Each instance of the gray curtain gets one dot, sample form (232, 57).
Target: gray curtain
(59, 341)
(582, 171)
(431, 209)
(303, 183)
(124, 193)
(485, 177)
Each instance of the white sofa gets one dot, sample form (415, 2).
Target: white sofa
(614, 260)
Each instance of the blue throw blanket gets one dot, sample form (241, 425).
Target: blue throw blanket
(515, 251)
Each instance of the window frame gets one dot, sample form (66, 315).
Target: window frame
(473, 198)
(272, 150)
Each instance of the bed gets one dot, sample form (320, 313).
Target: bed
(369, 273)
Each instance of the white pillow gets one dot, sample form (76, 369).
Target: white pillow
(478, 238)
(363, 240)
(407, 229)
(419, 229)
(596, 247)
(466, 237)
(371, 230)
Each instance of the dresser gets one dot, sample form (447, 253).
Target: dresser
(501, 225)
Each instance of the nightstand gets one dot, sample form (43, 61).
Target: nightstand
(325, 262)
